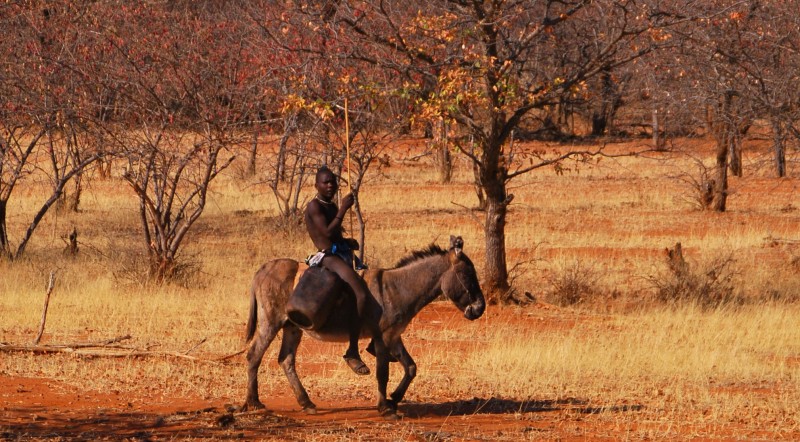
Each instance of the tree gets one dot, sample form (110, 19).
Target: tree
(43, 115)
(172, 190)
(314, 81)
(767, 54)
(187, 96)
(495, 63)
(715, 74)
(290, 170)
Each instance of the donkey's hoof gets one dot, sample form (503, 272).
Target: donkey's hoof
(388, 410)
(252, 406)
(390, 414)
(310, 410)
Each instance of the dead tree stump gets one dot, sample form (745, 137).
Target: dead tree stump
(72, 243)
(677, 264)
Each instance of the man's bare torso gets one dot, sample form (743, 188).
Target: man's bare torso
(316, 213)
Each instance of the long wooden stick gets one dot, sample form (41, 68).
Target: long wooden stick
(347, 149)
(50, 286)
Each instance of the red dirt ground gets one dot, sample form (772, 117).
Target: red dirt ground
(38, 408)
(45, 409)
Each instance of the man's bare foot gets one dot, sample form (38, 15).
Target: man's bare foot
(357, 365)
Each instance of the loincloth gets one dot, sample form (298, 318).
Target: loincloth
(341, 250)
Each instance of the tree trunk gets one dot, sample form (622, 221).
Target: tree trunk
(251, 160)
(610, 101)
(780, 148)
(362, 229)
(599, 123)
(563, 113)
(444, 163)
(74, 200)
(37, 218)
(721, 182)
(659, 142)
(721, 122)
(75, 154)
(427, 131)
(104, 168)
(496, 272)
(162, 269)
(4, 248)
(298, 185)
(493, 178)
(735, 153)
(280, 167)
(476, 171)
(289, 128)
(442, 157)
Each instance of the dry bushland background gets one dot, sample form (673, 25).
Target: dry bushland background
(588, 252)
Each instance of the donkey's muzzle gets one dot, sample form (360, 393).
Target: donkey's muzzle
(475, 310)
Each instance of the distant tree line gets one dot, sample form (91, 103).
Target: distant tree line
(172, 91)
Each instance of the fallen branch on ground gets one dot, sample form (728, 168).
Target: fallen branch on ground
(109, 348)
(225, 358)
(773, 240)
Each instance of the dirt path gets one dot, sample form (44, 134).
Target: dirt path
(42, 408)
(32, 408)
(47, 409)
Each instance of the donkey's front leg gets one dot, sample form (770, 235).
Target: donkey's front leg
(387, 408)
(289, 344)
(409, 366)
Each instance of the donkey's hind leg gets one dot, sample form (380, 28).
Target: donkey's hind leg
(264, 337)
(291, 340)
(410, 370)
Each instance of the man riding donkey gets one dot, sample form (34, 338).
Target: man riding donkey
(324, 223)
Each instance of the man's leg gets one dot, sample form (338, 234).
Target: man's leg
(361, 292)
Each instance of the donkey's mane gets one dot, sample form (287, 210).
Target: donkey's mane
(431, 250)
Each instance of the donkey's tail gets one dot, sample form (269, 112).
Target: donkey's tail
(252, 318)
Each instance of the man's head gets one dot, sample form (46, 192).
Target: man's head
(326, 183)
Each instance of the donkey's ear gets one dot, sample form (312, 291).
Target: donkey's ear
(456, 244)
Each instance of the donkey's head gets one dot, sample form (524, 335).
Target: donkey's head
(460, 281)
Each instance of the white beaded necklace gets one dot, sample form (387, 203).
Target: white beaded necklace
(323, 201)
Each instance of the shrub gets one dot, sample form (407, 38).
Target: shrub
(573, 284)
(709, 286)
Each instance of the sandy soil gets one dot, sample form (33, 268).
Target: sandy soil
(44, 409)
(37, 408)
(40, 408)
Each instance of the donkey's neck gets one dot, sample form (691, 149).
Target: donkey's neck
(415, 285)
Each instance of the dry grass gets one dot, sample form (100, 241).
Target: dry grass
(701, 368)
(637, 354)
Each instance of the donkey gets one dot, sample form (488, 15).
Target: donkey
(399, 294)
